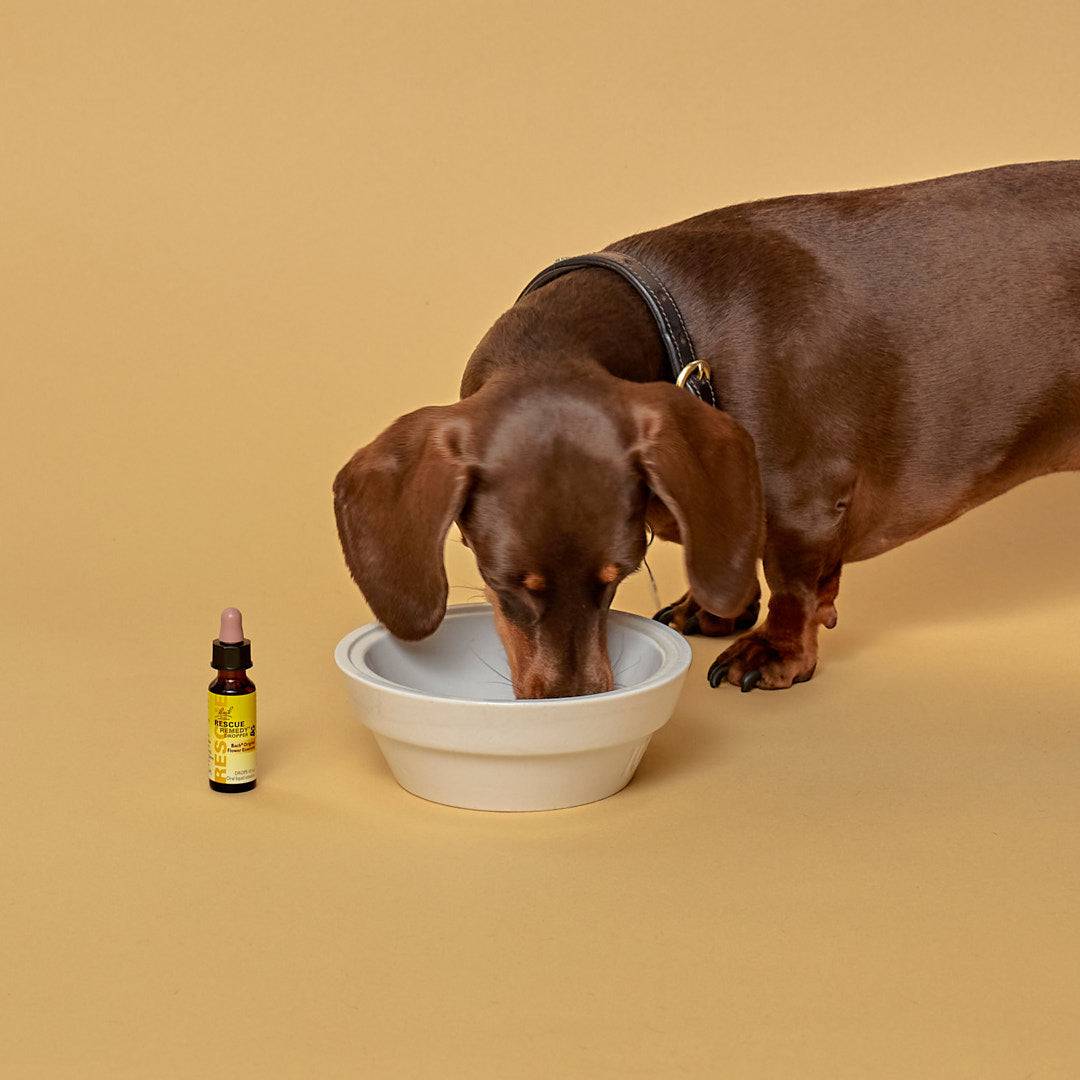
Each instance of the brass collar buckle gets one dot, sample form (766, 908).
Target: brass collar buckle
(695, 367)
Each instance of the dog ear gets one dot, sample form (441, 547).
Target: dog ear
(394, 502)
(702, 465)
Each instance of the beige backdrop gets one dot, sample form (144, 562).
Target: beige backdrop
(240, 238)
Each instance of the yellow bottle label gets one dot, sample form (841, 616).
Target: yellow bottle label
(232, 738)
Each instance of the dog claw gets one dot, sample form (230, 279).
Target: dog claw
(664, 615)
(750, 680)
(692, 625)
(717, 673)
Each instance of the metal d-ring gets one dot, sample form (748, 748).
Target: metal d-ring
(695, 367)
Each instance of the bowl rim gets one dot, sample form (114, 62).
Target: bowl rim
(676, 659)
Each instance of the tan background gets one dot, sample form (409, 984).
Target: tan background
(237, 240)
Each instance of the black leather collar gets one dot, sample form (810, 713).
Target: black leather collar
(686, 370)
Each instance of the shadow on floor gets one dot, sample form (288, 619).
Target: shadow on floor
(1016, 554)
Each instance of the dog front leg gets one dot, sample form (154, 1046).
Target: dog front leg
(685, 614)
(784, 649)
(688, 617)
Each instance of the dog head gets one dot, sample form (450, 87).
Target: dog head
(550, 485)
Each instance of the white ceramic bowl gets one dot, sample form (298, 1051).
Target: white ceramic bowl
(444, 715)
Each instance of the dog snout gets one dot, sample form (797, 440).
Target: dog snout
(566, 666)
(571, 683)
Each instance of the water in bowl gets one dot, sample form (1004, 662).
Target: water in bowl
(465, 659)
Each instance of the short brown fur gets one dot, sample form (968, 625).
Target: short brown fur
(885, 360)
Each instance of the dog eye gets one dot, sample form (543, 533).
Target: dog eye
(533, 581)
(518, 606)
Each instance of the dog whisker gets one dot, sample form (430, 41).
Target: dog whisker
(622, 670)
(505, 678)
(474, 593)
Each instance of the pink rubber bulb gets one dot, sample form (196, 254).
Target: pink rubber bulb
(232, 626)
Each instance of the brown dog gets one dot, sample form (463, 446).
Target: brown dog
(884, 361)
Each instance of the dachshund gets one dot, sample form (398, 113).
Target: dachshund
(883, 361)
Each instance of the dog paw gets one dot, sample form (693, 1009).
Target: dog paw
(688, 617)
(756, 660)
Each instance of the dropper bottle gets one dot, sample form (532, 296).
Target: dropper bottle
(231, 716)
